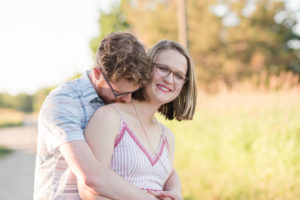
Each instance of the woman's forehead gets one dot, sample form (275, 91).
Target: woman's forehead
(173, 59)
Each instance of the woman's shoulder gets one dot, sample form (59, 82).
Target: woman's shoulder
(113, 110)
(108, 112)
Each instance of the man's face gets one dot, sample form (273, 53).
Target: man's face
(119, 91)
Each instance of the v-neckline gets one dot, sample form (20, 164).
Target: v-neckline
(153, 157)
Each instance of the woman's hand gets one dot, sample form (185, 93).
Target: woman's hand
(166, 195)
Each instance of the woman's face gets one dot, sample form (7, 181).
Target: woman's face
(169, 72)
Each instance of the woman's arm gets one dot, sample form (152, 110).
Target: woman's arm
(100, 134)
(172, 187)
(173, 183)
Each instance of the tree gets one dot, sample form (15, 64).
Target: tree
(24, 102)
(228, 40)
(39, 97)
(7, 101)
(111, 21)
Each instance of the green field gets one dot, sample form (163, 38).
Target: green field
(241, 147)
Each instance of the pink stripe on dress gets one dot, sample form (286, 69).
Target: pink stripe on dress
(133, 162)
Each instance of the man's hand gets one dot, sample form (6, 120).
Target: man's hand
(166, 195)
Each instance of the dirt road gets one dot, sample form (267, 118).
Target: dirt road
(17, 168)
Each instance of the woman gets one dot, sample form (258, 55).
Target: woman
(133, 143)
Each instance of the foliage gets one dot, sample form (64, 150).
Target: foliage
(39, 97)
(7, 101)
(112, 21)
(246, 38)
(240, 146)
(24, 102)
(4, 151)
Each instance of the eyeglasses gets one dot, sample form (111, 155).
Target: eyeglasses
(111, 88)
(164, 71)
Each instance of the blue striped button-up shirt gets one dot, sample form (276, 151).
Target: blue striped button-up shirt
(63, 117)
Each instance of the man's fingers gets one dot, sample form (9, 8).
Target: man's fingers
(166, 195)
(158, 194)
(154, 193)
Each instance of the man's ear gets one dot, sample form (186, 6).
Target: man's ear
(97, 72)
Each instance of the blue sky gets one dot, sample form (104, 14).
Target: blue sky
(45, 42)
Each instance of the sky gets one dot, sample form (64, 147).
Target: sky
(45, 42)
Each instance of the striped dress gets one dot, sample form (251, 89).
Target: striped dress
(135, 164)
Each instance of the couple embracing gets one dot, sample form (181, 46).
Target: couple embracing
(97, 135)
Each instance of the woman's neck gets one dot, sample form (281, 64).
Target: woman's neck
(145, 110)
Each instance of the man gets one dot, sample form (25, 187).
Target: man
(63, 156)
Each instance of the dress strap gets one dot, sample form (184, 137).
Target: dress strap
(164, 135)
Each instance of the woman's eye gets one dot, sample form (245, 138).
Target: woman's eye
(163, 69)
(179, 76)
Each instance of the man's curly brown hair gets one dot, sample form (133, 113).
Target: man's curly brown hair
(121, 56)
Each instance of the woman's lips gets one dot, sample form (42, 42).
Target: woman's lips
(163, 88)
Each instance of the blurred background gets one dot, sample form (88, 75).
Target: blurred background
(244, 141)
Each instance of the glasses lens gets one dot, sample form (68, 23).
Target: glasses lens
(162, 71)
(178, 78)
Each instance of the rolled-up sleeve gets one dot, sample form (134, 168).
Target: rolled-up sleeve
(60, 120)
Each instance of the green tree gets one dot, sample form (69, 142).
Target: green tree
(228, 40)
(7, 101)
(39, 97)
(24, 102)
(259, 41)
(111, 21)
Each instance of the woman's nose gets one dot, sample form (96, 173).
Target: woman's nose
(169, 78)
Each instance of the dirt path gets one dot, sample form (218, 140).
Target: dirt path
(17, 168)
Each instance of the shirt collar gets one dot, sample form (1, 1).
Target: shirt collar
(87, 89)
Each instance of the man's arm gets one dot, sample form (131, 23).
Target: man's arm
(60, 115)
(96, 177)
(90, 160)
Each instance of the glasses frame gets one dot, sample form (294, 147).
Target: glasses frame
(170, 71)
(116, 95)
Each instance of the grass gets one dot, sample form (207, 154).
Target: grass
(4, 151)
(10, 117)
(241, 146)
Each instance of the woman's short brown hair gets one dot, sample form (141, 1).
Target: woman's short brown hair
(121, 56)
(183, 107)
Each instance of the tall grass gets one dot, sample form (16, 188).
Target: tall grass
(10, 117)
(241, 146)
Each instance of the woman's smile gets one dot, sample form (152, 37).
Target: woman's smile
(164, 88)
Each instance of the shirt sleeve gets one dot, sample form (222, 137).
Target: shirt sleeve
(60, 121)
